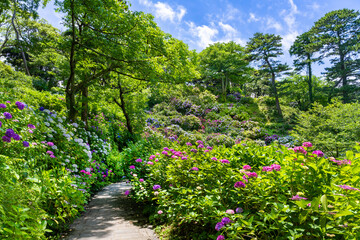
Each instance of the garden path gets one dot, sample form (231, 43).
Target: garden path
(111, 216)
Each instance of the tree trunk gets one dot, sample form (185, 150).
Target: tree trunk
(123, 108)
(85, 105)
(310, 81)
(344, 78)
(18, 40)
(276, 95)
(343, 70)
(70, 94)
(273, 83)
(5, 40)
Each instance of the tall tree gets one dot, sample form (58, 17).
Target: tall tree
(104, 37)
(224, 63)
(265, 48)
(304, 50)
(338, 33)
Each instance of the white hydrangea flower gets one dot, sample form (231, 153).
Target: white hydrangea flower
(54, 147)
(75, 125)
(47, 124)
(67, 160)
(74, 165)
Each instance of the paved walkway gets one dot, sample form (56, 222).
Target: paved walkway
(111, 216)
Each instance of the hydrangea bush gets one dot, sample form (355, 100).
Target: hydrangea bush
(49, 167)
(251, 191)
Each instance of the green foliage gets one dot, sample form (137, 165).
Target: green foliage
(222, 63)
(198, 189)
(333, 128)
(335, 35)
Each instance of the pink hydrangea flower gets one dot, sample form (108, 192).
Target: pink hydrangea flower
(225, 161)
(297, 198)
(150, 163)
(307, 144)
(138, 160)
(318, 153)
(230, 211)
(132, 167)
(160, 212)
(300, 150)
(246, 167)
(252, 174)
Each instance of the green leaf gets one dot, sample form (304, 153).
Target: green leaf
(343, 213)
(324, 202)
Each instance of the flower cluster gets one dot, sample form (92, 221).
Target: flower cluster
(275, 167)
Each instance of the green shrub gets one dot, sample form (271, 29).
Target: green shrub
(334, 128)
(273, 197)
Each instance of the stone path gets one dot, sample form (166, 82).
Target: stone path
(111, 216)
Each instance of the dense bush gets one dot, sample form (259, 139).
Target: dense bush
(249, 191)
(49, 168)
(334, 128)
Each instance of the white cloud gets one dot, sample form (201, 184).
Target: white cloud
(271, 23)
(293, 7)
(204, 34)
(227, 28)
(164, 11)
(181, 13)
(288, 39)
(290, 18)
(253, 18)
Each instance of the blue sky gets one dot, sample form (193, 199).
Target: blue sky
(202, 22)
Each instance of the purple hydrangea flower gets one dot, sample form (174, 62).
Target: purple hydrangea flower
(218, 226)
(7, 115)
(189, 144)
(239, 184)
(26, 144)
(31, 126)
(193, 150)
(127, 192)
(16, 137)
(41, 108)
(9, 132)
(220, 237)
(155, 187)
(6, 139)
(239, 210)
(0, 123)
(20, 105)
(201, 146)
(2, 105)
(225, 220)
